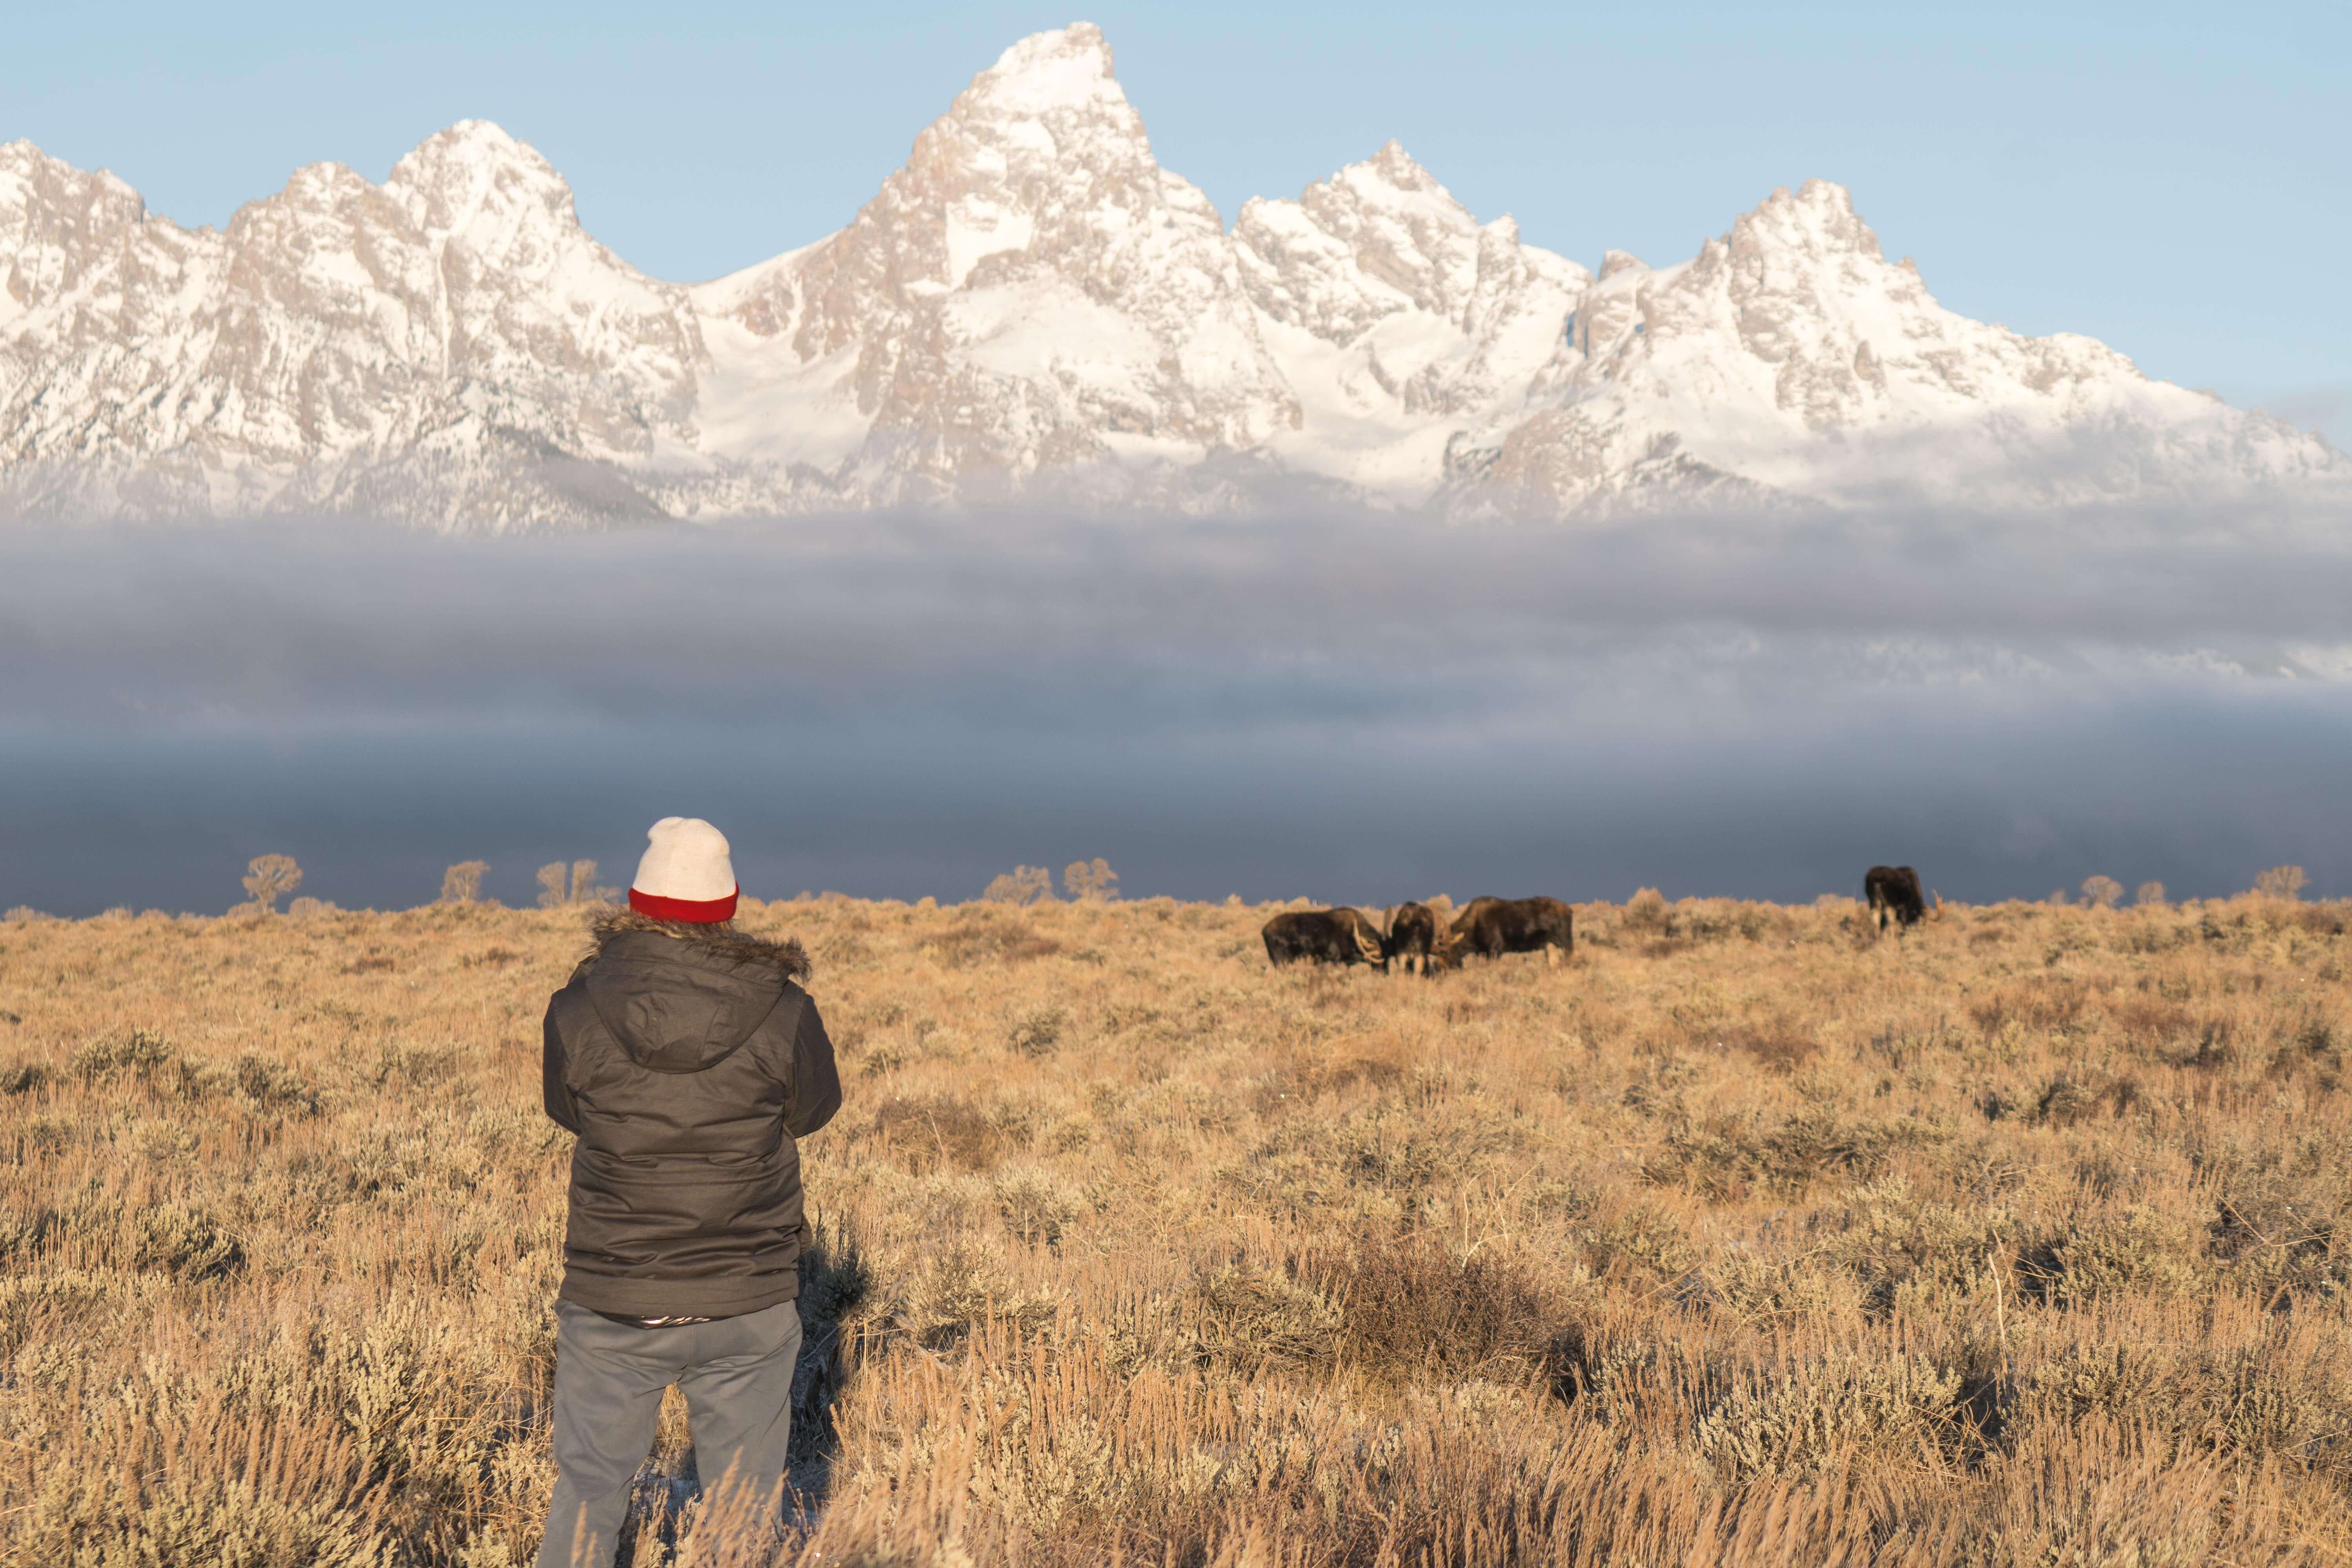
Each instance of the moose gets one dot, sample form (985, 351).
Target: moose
(1894, 891)
(1325, 936)
(1412, 937)
(1496, 926)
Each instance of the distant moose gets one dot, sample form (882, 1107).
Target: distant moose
(1894, 891)
(1413, 936)
(1325, 936)
(1493, 927)
(1414, 939)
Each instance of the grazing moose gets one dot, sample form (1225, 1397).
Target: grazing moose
(1412, 937)
(1894, 891)
(1498, 926)
(1324, 936)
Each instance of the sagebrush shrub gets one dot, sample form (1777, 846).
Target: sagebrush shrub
(1834, 1406)
(133, 1050)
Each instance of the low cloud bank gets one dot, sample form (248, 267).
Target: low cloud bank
(1336, 707)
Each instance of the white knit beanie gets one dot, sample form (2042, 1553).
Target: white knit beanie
(685, 874)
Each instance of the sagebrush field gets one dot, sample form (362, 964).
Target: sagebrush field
(1745, 1236)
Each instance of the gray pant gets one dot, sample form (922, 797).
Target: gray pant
(737, 1376)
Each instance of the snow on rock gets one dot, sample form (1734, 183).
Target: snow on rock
(448, 346)
(1790, 359)
(1030, 307)
(1030, 292)
(1396, 314)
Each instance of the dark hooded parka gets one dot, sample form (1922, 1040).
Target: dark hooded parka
(689, 1061)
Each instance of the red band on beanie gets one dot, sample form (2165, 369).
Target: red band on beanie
(701, 912)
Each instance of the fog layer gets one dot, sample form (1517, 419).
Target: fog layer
(1337, 708)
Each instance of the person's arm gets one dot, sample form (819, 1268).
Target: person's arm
(554, 1092)
(816, 1084)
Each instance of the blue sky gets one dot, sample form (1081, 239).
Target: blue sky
(2176, 180)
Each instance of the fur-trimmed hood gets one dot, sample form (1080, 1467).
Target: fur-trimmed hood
(787, 957)
(681, 998)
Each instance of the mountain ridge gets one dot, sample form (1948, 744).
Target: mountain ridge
(1030, 310)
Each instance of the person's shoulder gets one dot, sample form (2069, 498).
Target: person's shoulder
(794, 1009)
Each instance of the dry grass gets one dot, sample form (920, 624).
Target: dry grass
(1743, 1238)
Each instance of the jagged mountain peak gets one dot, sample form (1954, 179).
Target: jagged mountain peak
(1047, 130)
(1041, 155)
(1398, 167)
(1030, 291)
(1029, 306)
(1388, 200)
(1069, 68)
(469, 145)
(1790, 361)
(454, 178)
(22, 159)
(1818, 220)
(31, 178)
(1374, 239)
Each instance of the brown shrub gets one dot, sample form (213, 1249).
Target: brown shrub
(981, 939)
(1721, 1158)
(2042, 1005)
(2070, 1098)
(2151, 1024)
(1412, 1312)
(932, 1131)
(1775, 1050)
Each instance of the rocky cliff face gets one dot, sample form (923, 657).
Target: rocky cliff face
(1032, 308)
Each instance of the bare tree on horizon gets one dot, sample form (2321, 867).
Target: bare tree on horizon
(269, 878)
(560, 885)
(1084, 882)
(1021, 885)
(2281, 882)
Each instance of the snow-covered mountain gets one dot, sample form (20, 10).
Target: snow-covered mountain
(1031, 308)
(448, 346)
(1792, 359)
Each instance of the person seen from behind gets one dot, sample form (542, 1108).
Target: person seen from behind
(689, 1060)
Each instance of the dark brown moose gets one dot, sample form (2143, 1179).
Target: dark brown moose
(1494, 927)
(1324, 936)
